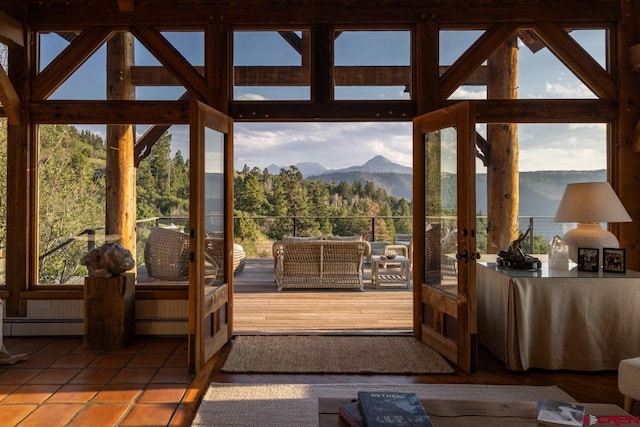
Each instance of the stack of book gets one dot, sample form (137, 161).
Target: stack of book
(385, 409)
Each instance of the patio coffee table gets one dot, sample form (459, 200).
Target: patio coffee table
(403, 276)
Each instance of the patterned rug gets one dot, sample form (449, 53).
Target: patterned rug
(318, 354)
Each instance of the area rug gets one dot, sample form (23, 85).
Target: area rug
(321, 354)
(277, 405)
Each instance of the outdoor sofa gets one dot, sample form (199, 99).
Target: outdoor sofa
(316, 263)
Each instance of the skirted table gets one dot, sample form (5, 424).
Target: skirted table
(554, 319)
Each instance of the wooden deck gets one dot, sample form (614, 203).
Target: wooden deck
(259, 307)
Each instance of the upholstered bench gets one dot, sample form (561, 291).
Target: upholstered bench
(629, 381)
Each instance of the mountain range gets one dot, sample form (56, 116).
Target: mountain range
(540, 191)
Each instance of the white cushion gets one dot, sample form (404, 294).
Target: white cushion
(629, 377)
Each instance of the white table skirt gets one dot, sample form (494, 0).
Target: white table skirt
(563, 320)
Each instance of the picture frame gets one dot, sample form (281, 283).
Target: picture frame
(589, 259)
(614, 260)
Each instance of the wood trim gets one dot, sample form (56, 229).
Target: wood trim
(577, 59)
(473, 58)
(444, 346)
(69, 60)
(440, 301)
(171, 58)
(126, 5)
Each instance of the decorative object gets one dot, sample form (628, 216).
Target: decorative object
(588, 259)
(614, 260)
(588, 204)
(108, 260)
(515, 257)
(558, 254)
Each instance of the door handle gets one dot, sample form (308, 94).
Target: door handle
(462, 256)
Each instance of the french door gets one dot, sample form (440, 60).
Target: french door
(211, 233)
(445, 233)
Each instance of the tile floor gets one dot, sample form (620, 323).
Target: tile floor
(64, 384)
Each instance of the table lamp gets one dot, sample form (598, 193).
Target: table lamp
(589, 204)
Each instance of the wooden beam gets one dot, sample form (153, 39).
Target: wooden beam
(116, 112)
(309, 12)
(545, 111)
(11, 31)
(473, 57)
(577, 59)
(69, 60)
(126, 5)
(9, 98)
(286, 75)
(171, 58)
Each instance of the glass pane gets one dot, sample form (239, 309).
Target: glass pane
(441, 209)
(71, 201)
(271, 65)
(372, 65)
(214, 207)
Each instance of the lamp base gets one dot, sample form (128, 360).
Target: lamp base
(589, 235)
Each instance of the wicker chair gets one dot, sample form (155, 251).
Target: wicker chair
(166, 254)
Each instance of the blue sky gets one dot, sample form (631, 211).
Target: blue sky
(339, 145)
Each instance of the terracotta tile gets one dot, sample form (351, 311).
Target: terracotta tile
(94, 376)
(13, 414)
(45, 414)
(6, 389)
(74, 360)
(55, 376)
(134, 375)
(26, 345)
(176, 360)
(74, 393)
(99, 415)
(162, 346)
(40, 360)
(173, 375)
(134, 347)
(118, 393)
(147, 360)
(60, 346)
(109, 360)
(163, 393)
(18, 376)
(31, 393)
(183, 416)
(183, 347)
(149, 415)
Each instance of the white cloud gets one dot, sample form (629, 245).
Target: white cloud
(560, 90)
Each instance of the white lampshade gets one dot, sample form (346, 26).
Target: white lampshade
(589, 204)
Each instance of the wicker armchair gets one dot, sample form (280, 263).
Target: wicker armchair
(166, 254)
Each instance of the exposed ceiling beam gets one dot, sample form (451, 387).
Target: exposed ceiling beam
(126, 5)
(9, 98)
(11, 31)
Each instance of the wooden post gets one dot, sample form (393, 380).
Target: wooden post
(502, 169)
(121, 175)
(109, 311)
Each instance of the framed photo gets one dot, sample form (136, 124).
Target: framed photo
(614, 260)
(588, 259)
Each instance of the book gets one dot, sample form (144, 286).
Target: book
(554, 412)
(397, 409)
(352, 414)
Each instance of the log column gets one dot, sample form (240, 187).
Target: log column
(502, 167)
(121, 175)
